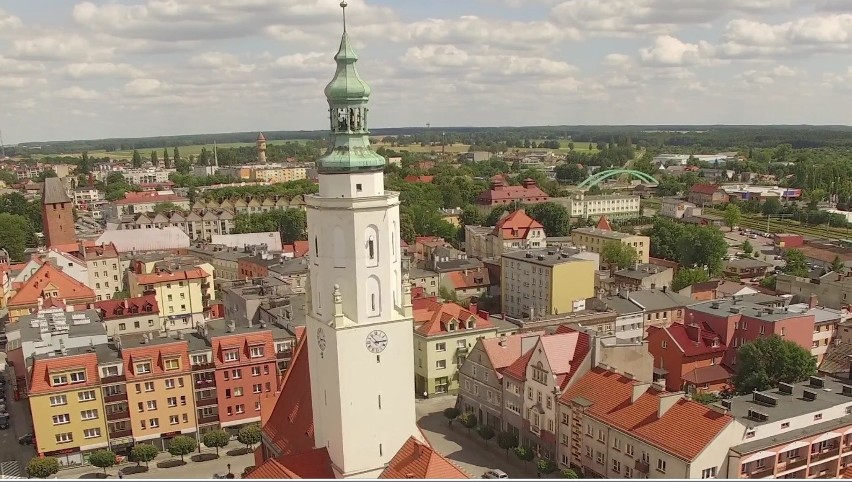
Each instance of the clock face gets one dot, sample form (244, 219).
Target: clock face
(321, 339)
(377, 341)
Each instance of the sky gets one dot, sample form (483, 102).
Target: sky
(74, 69)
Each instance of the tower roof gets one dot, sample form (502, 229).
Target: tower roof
(261, 137)
(54, 192)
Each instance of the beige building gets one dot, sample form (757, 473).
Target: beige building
(258, 204)
(833, 290)
(678, 208)
(593, 239)
(613, 206)
(199, 225)
(513, 232)
(104, 268)
(268, 173)
(546, 282)
(183, 294)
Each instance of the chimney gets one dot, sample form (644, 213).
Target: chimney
(472, 308)
(813, 301)
(693, 331)
(666, 401)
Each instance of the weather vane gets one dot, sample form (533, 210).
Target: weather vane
(343, 5)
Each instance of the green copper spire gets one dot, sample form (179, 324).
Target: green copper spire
(347, 95)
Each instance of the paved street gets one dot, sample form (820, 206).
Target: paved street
(13, 456)
(467, 451)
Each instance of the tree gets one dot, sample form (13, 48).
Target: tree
(85, 164)
(619, 254)
(102, 458)
(837, 265)
(747, 247)
(769, 282)
(45, 174)
(407, 231)
(136, 160)
(767, 361)
(545, 466)
(17, 234)
(688, 277)
(204, 157)
(176, 155)
(42, 467)
(166, 207)
(183, 166)
(468, 420)
(154, 160)
(249, 435)
(486, 432)
(795, 263)
(182, 445)
(524, 454)
(732, 215)
(451, 413)
(706, 398)
(771, 207)
(554, 217)
(216, 439)
(570, 173)
(144, 452)
(506, 441)
(569, 474)
(167, 163)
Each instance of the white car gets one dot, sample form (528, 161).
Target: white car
(495, 474)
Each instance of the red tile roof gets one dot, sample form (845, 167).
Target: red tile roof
(298, 248)
(416, 460)
(420, 179)
(53, 303)
(503, 351)
(500, 192)
(149, 197)
(565, 352)
(433, 318)
(156, 354)
(516, 225)
(42, 368)
(684, 430)
(110, 309)
(101, 251)
(164, 276)
(313, 464)
(693, 340)
(704, 188)
(291, 426)
(51, 278)
(603, 224)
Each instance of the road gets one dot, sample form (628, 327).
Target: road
(13, 456)
(466, 450)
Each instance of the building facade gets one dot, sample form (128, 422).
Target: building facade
(594, 239)
(57, 212)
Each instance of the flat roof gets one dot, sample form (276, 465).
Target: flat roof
(92, 327)
(642, 271)
(603, 233)
(546, 257)
(751, 310)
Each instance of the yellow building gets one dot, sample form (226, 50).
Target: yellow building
(547, 282)
(183, 295)
(444, 333)
(67, 406)
(593, 239)
(159, 388)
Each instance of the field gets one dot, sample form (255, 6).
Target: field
(462, 148)
(185, 151)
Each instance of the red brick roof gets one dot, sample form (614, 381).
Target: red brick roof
(156, 354)
(291, 426)
(565, 352)
(243, 342)
(299, 248)
(684, 430)
(603, 224)
(313, 464)
(694, 340)
(433, 318)
(500, 192)
(110, 309)
(516, 225)
(416, 460)
(164, 276)
(471, 278)
(503, 351)
(42, 368)
(50, 277)
(704, 188)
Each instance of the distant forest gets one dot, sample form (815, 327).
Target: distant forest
(674, 137)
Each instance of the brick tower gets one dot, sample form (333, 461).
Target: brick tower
(57, 214)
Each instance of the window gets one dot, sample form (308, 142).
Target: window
(256, 351)
(172, 364)
(154, 422)
(257, 388)
(628, 472)
(122, 326)
(818, 417)
(601, 436)
(589, 430)
(170, 383)
(149, 386)
(86, 396)
(256, 406)
(64, 438)
(60, 380)
(599, 457)
(589, 453)
(238, 391)
(143, 367)
(142, 424)
(185, 418)
(441, 364)
(58, 400)
(255, 371)
(616, 444)
(629, 450)
(174, 420)
(109, 371)
(152, 404)
(661, 465)
(89, 414)
(61, 419)
(240, 408)
(709, 473)
(358, 188)
(236, 374)
(616, 466)
(91, 433)
(172, 401)
(231, 355)
(440, 346)
(529, 393)
(665, 345)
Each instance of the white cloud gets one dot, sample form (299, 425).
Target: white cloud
(84, 70)
(8, 22)
(142, 87)
(669, 51)
(58, 46)
(77, 93)
(440, 58)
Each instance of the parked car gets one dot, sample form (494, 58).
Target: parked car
(495, 474)
(28, 439)
(4, 421)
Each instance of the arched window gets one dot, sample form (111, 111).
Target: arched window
(371, 246)
(374, 296)
(371, 237)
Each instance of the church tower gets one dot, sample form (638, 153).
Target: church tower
(359, 307)
(57, 214)
(261, 148)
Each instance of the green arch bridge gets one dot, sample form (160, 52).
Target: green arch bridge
(599, 177)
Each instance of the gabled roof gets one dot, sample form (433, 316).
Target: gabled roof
(313, 464)
(54, 192)
(49, 276)
(516, 225)
(694, 340)
(705, 188)
(684, 430)
(433, 318)
(503, 351)
(162, 277)
(42, 368)
(416, 460)
(469, 278)
(118, 308)
(603, 224)
(565, 352)
(291, 426)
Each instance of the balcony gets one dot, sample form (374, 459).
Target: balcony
(118, 397)
(123, 415)
(121, 433)
(113, 379)
(203, 366)
(205, 383)
(793, 463)
(535, 429)
(206, 402)
(642, 466)
(284, 355)
(763, 473)
(827, 454)
(462, 350)
(208, 419)
(205, 285)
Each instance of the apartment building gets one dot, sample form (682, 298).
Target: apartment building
(267, 173)
(69, 263)
(546, 282)
(593, 239)
(104, 268)
(159, 388)
(444, 333)
(501, 193)
(643, 276)
(677, 208)
(514, 231)
(64, 395)
(707, 195)
(745, 268)
(152, 175)
(613, 206)
(833, 290)
(48, 282)
(688, 358)
(183, 294)
(145, 202)
(130, 315)
(615, 427)
(251, 205)
(198, 224)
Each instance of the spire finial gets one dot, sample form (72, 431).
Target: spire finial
(343, 5)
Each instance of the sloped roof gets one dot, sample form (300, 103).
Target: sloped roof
(416, 460)
(162, 277)
(156, 353)
(705, 188)
(564, 350)
(500, 191)
(49, 276)
(434, 317)
(684, 430)
(505, 350)
(54, 192)
(313, 464)
(603, 224)
(149, 197)
(154, 239)
(516, 225)
(119, 308)
(40, 373)
(690, 346)
(291, 426)
(471, 278)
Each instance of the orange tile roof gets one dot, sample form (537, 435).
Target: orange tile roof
(603, 224)
(505, 350)
(466, 279)
(420, 179)
(313, 464)
(119, 308)
(565, 352)
(156, 354)
(516, 225)
(49, 276)
(291, 426)
(684, 430)
(163, 276)
(433, 318)
(40, 373)
(846, 474)
(416, 460)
